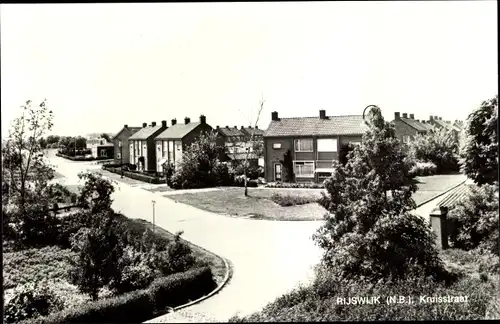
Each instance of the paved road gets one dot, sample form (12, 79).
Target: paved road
(269, 257)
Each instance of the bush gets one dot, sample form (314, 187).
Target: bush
(239, 181)
(421, 169)
(288, 200)
(473, 221)
(31, 300)
(142, 176)
(179, 255)
(139, 305)
(298, 185)
(319, 302)
(440, 147)
(253, 172)
(223, 175)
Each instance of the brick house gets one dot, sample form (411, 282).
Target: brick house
(236, 143)
(142, 144)
(438, 122)
(121, 144)
(407, 127)
(170, 143)
(309, 144)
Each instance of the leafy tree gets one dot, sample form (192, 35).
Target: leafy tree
(439, 147)
(51, 139)
(95, 195)
(22, 154)
(43, 143)
(106, 137)
(370, 233)
(258, 148)
(99, 250)
(479, 156)
(196, 169)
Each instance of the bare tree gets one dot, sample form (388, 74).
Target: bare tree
(251, 142)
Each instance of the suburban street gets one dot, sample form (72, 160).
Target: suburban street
(268, 258)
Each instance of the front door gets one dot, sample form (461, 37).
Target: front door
(277, 172)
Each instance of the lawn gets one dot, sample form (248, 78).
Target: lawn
(258, 205)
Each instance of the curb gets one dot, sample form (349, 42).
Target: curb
(228, 275)
(442, 193)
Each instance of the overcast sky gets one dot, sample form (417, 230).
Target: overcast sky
(104, 65)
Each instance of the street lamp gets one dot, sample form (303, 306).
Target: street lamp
(121, 156)
(365, 113)
(154, 202)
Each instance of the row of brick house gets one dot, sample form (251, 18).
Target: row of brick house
(151, 146)
(296, 149)
(308, 145)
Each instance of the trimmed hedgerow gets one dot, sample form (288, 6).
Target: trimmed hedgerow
(289, 200)
(139, 305)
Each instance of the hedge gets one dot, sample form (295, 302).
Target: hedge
(140, 305)
(305, 185)
(81, 158)
(134, 175)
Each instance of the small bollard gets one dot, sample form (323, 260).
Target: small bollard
(438, 224)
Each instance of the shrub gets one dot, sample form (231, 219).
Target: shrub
(421, 169)
(440, 146)
(139, 305)
(253, 172)
(369, 234)
(223, 175)
(288, 200)
(31, 300)
(320, 301)
(473, 221)
(298, 185)
(179, 255)
(239, 181)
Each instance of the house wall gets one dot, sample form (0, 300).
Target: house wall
(321, 159)
(124, 150)
(402, 129)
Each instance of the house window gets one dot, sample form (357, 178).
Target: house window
(276, 145)
(327, 145)
(303, 145)
(304, 169)
(406, 139)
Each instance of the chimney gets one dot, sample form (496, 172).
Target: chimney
(256, 127)
(153, 124)
(405, 115)
(187, 120)
(440, 118)
(322, 114)
(397, 115)
(126, 126)
(274, 116)
(164, 123)
(144, 125)
(436, 117)
(203, 119)
(431, 117)
(412, 116)
(242, 127)
(250, 127)
(227, 126)
(235, 127)
(173, 121)
(217, 127)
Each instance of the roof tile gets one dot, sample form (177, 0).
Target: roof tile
(314, 126)
(145, 132)
(178, 131)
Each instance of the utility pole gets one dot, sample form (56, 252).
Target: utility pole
(154, 202)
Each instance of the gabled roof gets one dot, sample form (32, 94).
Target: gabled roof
(444, 124)
(145, 132)
(314, 126)
(421, 127)
(230, 131)
(178, 131)
(132, 130)
(249, 130)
